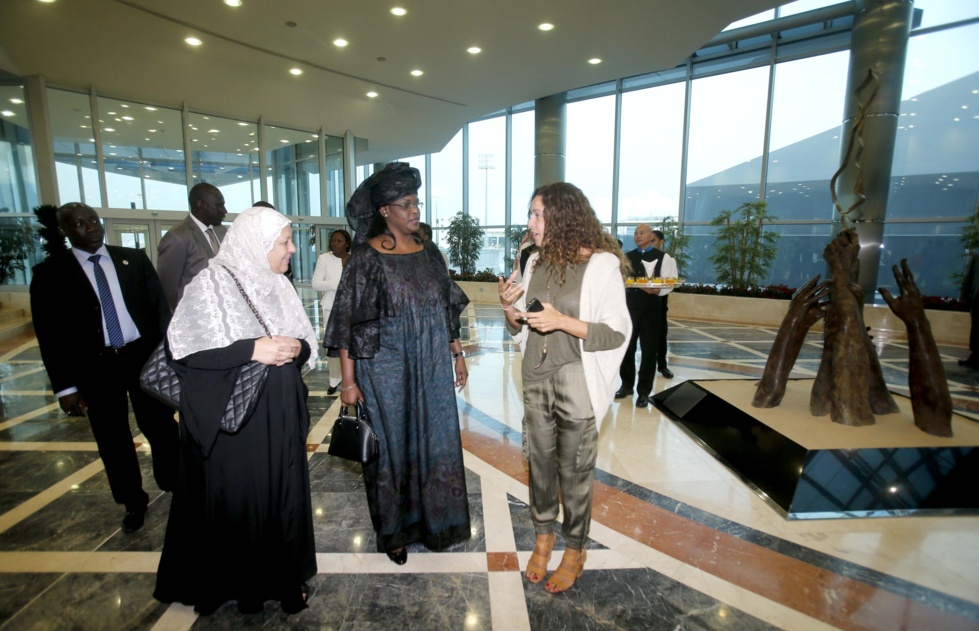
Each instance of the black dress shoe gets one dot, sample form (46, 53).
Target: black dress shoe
(642, 401)
(332, 390)
(666, 372)
(133, 520)
(969, 363)
(623, 393)
(399, 556)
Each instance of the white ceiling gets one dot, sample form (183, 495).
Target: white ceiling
(135, 49)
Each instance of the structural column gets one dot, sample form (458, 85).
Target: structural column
(550, 138)
(879, 43)
(42, 140)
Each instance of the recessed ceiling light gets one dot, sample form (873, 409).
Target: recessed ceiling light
(340, 42)
(7, 113)
(193, 41)
(46, 1)
(398, 11)
(594, 60)
(417, 73)
(283, 140)
(150, 108)
(372, 94)
(233, 3)
(296, 71)
(16, 101)
(214, 131)
(475, 50)
(127, 118)
(243, 124)
(108, 129)
(546, 26)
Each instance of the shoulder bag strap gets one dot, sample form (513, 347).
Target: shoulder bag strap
(245, 296)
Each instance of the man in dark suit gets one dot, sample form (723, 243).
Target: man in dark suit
(186, 248)
(98, 313)
(647, 309)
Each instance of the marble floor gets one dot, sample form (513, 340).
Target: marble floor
(677, 540)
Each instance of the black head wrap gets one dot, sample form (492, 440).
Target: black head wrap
(393, 182)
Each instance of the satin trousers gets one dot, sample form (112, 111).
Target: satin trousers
(561, 444)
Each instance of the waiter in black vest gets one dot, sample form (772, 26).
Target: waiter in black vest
(647, 307)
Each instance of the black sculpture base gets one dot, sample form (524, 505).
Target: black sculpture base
(808, 467)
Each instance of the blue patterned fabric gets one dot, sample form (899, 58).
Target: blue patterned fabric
(416, 490)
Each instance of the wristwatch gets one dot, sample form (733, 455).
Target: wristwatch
(459, 354)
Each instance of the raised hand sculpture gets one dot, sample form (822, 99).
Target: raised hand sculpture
(931, 403)
(806, 309)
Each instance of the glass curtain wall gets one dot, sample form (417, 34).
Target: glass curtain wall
(19, 248)
(76, 162)
(793, 95)
(143, 155)
(293, 170)
(224, 152)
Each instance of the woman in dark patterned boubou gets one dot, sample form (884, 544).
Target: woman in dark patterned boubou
(395, 325)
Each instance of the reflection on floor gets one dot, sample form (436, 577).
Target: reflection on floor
(677, 541)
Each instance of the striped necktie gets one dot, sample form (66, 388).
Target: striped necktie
(108, 304)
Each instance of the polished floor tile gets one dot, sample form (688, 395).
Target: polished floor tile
(678, 541)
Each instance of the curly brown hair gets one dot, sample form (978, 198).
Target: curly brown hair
(570, 226)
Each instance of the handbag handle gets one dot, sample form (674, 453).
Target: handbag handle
(360, 409)
(249, 302)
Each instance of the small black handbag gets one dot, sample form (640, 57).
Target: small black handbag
(353, 436)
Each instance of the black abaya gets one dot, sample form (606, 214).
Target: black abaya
(241, 525)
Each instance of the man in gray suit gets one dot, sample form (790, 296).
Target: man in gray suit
(188, 246)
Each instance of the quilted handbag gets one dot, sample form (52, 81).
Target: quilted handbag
(160, 380)
(353, 436)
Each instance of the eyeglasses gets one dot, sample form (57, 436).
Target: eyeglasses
(407, 205)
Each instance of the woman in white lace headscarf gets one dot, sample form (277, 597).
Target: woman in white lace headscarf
(241, 523)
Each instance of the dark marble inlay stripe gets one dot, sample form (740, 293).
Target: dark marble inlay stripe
(506, 455)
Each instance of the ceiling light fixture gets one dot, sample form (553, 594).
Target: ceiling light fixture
(233, 3)
(475, 50)
(7, 113)
(193, 41)
(546, 26)
(399, 11)
(16, 101)
(417, 73)
(295, 71)
(340, 42)
(371, 95)
(46, 1)
(150, 108)
(594, 60)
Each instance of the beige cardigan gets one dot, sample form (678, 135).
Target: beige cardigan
(602, 300)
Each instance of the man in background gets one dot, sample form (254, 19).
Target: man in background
(99, 312)
(658, 241)
(187, 247)
(647, 310)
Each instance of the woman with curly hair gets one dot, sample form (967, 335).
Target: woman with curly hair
(570, 320)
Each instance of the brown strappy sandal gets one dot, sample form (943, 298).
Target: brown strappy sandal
(537, 566)
(572, 565)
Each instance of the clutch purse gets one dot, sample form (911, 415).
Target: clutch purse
(353, 436)
(161, 382)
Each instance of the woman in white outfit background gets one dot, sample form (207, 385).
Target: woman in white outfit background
(326, 278)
